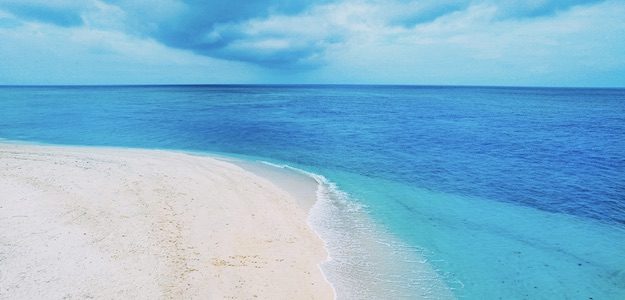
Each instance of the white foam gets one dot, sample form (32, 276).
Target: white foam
(364, 261)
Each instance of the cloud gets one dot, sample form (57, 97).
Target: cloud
(59, 12)
(270, 33)
(41, 53)
(218, 28)
(536, 8)
(581, 46)
(282, 33)
(425, 41)
(7, 21)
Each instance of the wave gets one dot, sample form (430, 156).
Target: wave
(364, 260)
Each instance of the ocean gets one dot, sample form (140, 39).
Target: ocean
(427, 191)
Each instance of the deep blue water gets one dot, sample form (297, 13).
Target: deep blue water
(511, 192)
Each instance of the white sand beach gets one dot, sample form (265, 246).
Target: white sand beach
(141, 224)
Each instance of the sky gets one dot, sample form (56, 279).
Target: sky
(444, 42)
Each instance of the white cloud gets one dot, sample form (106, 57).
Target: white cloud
(39, 53)
(391, 41)
(581, 46)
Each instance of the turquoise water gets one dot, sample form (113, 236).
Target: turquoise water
(505, 193)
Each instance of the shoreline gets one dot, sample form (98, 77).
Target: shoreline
(364, 256)
(145, 222)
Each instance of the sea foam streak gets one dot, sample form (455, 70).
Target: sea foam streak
(364, 260)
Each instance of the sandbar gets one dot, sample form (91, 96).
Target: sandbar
(89, 222)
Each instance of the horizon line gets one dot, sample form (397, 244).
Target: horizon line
(302, 85)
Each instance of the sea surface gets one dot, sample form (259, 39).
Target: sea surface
(434, 192)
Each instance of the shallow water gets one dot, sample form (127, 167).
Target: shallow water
(503, 192)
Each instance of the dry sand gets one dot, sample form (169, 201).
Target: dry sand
(141, 224)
